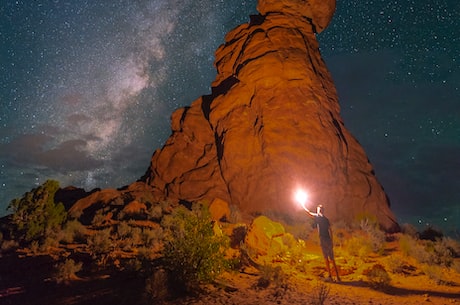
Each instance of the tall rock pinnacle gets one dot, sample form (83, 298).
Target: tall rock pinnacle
(271, 124)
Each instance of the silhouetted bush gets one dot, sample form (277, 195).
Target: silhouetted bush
(35, 214)
(431, 233)
(193, 254)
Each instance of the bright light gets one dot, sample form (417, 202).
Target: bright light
(301, 197)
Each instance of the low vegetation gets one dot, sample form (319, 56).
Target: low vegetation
(193, 253)
(177, 251)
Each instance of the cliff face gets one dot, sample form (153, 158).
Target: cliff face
(271, 124)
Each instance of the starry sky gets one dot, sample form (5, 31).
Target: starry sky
(87, 89)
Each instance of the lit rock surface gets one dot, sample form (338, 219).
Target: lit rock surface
(271, 124)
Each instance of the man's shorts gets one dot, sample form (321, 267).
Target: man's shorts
(326, 247)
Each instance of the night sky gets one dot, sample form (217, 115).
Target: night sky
(87, 89)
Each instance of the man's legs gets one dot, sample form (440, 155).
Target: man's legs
(336, 270)
(328, 268)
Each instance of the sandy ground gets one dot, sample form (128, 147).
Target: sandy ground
(242, 289)
(26, 281)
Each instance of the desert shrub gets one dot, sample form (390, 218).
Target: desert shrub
(409, 229)
(67, 270)
(129, 236)
(405, 244)
(339, 238)
(8, 245)
(319, 294)
(295, 256)
(456, 266)
(443, 254)
(363, 220)
(439, 252)
(412, 247)
(359, 246)
(435, 273)
(378, 277)
(36, 214)
(73, 231)
(394, 264)
(152, 236)
(99, 218)
(48, 243)
(431, 233)
(300, 231)
(238, 235)
(155, 211)
(453, 245)
(272, 275)
(375, 235)
(192, 253)
(100, 244)
(34, 247)
(235, 214)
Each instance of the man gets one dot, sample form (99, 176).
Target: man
(325, 238)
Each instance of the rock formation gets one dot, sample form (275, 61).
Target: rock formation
(271, 124)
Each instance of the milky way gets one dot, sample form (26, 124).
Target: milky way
(87, 89)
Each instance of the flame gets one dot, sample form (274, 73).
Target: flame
(301, 197)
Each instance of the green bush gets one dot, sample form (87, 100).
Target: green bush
(192, 254)
(36, 214)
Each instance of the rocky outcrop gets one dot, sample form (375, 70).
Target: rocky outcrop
(271, 124)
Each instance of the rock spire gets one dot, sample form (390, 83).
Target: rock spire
(271, 124)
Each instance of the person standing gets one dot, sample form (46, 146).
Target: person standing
(325, 238)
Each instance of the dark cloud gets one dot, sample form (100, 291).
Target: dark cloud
(38, 150)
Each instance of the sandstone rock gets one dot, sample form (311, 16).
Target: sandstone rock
(131, 199)
(134, 208)
(320, 12)
(271, 124)
(219, 209)
(265, 236)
